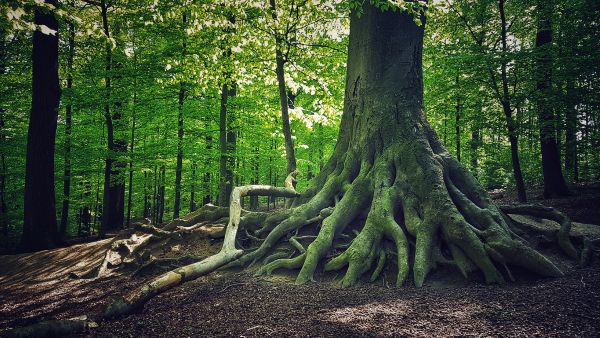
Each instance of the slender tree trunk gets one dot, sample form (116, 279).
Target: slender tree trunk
(554, 182)
(64, 217)
(193, 188)
(132, 141)
(270, 198)
(180, 126)
(179, 152)
(506, 107)
(232, 163)
(280, 61)
(131, 147)
(40, 230)
(3, 206)
(146, 202)
(161, 194)
(571, 132)
(207, 172)
(155, 197)
(114, 186)
(223, 183)
(97, 206)
(255, 177)
(457, 118)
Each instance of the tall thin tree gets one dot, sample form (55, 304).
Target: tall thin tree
(554, 182)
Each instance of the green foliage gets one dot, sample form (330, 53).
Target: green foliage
(233, 41)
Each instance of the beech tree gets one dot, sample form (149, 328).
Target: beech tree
(393, 176)
(39, 226)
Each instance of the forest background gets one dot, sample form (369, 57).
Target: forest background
(195, 91)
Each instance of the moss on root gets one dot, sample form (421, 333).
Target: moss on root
(410, 192)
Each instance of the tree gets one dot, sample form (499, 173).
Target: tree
(181, 100)
(554, 182)
(113, 205)
(285, 102)
(39, 225)
(64, 216)
(389, 166)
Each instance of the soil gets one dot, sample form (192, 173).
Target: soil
(228, 303)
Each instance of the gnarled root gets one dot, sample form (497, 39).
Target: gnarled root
(425, 198)
(562, 235)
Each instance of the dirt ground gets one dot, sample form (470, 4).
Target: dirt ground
(235, 303)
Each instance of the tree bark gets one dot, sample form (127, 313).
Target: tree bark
(226, 146)
(114, 186)
(3, 170)
(64, 216)
(554, 182)
(39, 225)
(193, 188)
(132, 142)
(180, 132)
(155, 196)
(390, 173)
(571, 165)
(3, 206)
(207, 172)
(457, 117)
(161, 195)
(508, 111)
(280, 61)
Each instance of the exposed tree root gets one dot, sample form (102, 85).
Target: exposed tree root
(426, 198)
(136, 299)
(562, 235)
(126, 304)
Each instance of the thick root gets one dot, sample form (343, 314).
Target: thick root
(426, 199)
(350, 206)
(287, 263)
(562, 235)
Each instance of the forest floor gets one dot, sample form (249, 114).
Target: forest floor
(235, 303)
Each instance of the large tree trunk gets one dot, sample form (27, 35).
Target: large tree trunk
(396, 180)
(39, 224)
(554, 182)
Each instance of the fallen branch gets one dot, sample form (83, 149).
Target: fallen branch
(136, 299)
